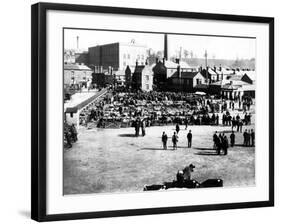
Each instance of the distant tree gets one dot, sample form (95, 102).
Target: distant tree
(185, 53)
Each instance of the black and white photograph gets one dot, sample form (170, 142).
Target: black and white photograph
(154, 111)
(148, 111)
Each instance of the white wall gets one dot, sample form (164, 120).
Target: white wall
(15, 110)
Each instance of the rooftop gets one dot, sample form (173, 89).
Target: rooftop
(76, 67)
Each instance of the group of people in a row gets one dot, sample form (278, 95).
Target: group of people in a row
(249, 137)
(221, 142)
(175, 139)
(139, 124)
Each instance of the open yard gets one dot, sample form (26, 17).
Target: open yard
(113, 160)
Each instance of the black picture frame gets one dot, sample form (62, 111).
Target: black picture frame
(38, 109)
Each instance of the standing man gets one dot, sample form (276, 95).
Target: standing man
(177, 128)
(240, 125)
(225, 145)
(175, 141)
(137, 127)
(143, 127)
(164, 140)
(215, 140)
(218, 145)
(245, 136)
(253, 137)
(73, 133)
(217, 119)
(186, 122)
(232, 139)
(189, 139)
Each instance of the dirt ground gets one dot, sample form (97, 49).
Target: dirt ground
(113, 160)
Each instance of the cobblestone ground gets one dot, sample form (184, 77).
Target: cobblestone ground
(113, 160)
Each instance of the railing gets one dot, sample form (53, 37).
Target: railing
(86, 102)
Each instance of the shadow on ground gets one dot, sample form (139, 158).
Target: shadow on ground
(127, 135)
(206, 153)
(154, 149)
(202, 148)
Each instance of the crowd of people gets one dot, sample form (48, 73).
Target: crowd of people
(163, 108)
(145, 109)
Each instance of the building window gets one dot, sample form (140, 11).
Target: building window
(138, 57)
(147, 87)
(198, 81)
(128, 56)
(124, 56)
(124, 63)
(142, 57)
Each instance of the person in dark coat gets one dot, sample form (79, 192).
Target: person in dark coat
(137, 127)
(219, 144)
(186, 122)
(143, 128)
(68, 138)
(175, 141)
(240, 125)
(232, 139)
(177, 128)
(245, 136)
(225, 145)
(189, 139)
(164, 140)
(248, 138)
(215, 140)
(253, 137)
(73, 133)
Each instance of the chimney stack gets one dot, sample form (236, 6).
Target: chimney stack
(166, 46)
(179, 71)
(77, 42)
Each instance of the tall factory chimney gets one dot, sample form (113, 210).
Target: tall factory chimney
(166, 46)
(77, 42)
(207, 69)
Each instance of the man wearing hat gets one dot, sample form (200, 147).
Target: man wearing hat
(187, 171)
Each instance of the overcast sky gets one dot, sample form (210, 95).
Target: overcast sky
(217, 47)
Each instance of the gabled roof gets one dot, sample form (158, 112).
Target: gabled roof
(141, 68)
(211, 71)
(251, 74)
